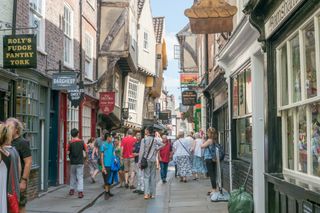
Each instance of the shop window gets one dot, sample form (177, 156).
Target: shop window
(28, 113)
(132, 94)
(86, 123)
(68, 35)
(298, 75)
(242, 106)
(73, 119)
(223, 128)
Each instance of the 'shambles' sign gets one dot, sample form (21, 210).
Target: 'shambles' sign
(20, 51)
(107, 102)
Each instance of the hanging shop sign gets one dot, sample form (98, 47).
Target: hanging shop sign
(157, 108)
(20, 51)
(189, 79)
(189, 98)
(107, 102)
(285, 9)
(64, 81)
(125, 113)
(76, 95)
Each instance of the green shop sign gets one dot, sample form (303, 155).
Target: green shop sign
(20, 51)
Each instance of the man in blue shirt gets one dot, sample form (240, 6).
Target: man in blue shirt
(106, 157)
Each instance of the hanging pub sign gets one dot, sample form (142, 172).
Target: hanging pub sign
(189, 98)
(76, 95)
(125, 113)
(20, 51)
(107, 102)
(64, 81)
(189, 79)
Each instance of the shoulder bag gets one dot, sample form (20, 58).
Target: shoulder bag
(185, 148)
(144, 161)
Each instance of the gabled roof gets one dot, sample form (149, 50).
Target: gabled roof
(158, 24)
(140, 7)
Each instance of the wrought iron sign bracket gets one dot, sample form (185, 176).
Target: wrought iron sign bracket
(5, 26)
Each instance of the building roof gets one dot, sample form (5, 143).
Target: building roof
(158, 24)
(140, 7)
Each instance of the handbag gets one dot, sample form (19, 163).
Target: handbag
(13, 203)
(144, 161)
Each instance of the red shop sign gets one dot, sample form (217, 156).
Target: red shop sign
(106, 102)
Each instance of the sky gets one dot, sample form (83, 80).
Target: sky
(173, 10)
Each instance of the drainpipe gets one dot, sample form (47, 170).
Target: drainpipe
(98, 37)
(13, 108)
(80, 53)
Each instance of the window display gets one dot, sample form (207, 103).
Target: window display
(296, 75)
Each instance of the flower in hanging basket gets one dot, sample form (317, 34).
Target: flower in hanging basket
(211, 16)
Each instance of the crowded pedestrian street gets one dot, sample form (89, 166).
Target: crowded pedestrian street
(149, 106)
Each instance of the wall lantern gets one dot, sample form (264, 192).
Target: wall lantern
(211, 16)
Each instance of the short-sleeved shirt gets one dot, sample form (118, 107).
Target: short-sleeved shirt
(128, 145)
(23, 148)
(136, 150)
(165, 152)
(108, 153)
(76, 149)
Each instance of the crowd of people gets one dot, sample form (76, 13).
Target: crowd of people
(130, 162)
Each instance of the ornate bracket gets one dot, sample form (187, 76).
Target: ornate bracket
(5, 26)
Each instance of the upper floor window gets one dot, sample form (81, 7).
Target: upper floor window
(145, 41)
(132, 94)
(88, 45)
(117, 89)
(68, 35)
(36, 18)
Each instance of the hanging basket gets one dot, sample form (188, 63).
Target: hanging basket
(211, 16)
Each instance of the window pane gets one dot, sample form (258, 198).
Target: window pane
(315, 139)
(244, 137)
(248, 92)
(290, 138)
(302, 143)
(310, 51)
(284, 75)
(235, 97)
(242, 92)
(296, 72)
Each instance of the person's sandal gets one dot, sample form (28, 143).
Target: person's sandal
(146, 197)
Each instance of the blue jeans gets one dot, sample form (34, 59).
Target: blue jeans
(164, 170)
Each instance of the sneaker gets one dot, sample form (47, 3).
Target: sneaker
(110, 194)
(140, 192)
(135, 191)
(132, 187)
(126, 185)
(80, 194)
(106, 196)
(164, 181)
(71, 192)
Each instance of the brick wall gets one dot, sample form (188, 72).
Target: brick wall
(33, 184)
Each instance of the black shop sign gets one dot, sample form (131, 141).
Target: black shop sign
(75, 96)
(189, 98)
(64, 81)
(20, 51)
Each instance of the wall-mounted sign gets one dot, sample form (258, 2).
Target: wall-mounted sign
(125, 113)
(189, 98)
(189, 79)
(286, 8)
(64, 81)
(106, 102)
(20, 51)
(75, 96)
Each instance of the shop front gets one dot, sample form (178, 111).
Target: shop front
(7, 79)
(292, 35)
(242, 61)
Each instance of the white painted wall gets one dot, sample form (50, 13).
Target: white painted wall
(147, 57)
(6, 11)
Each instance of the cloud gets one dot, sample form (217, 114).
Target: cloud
(171, 40)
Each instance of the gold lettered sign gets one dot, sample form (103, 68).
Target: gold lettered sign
(20, 51)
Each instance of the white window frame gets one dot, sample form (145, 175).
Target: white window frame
(88, 44)
(117, 89)
(146, 41)
(133, 92)
(69, 36)
(72, 119)
(37, 16)
(86, 123)
(301, 178)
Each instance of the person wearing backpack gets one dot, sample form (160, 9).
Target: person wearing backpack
(77, 158)
(210, 156)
